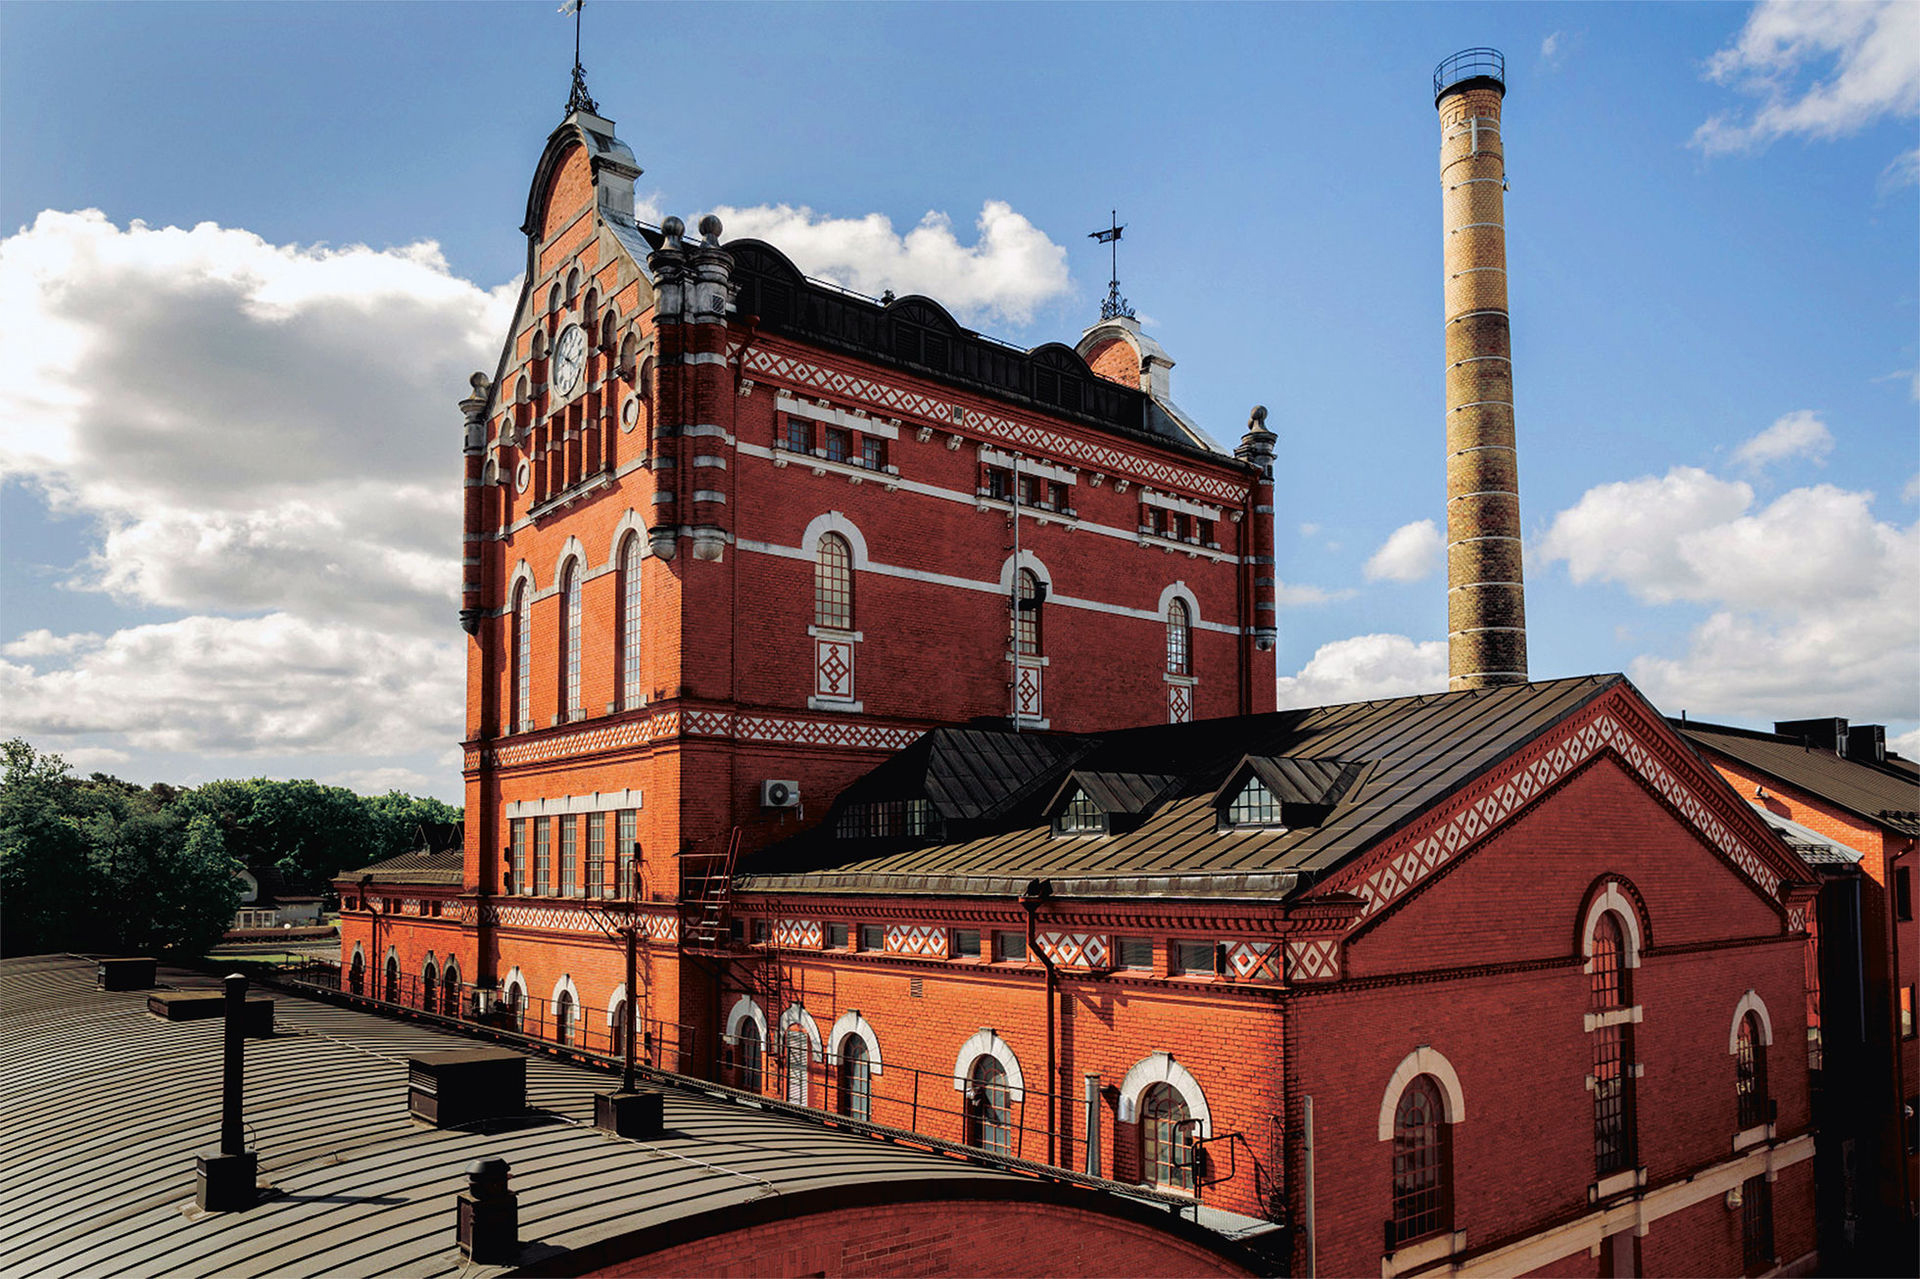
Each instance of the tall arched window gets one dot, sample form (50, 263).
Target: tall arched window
(570, 639)
(1611, 997)
(1750, 1072)
(391, 992)
(450, 990)
(429, 986)
(1027, 636)
(856, 1079)
(1179, 639)
(1166, 1138)
(563, 1016)
(1422, 1162)
(989, 1111)
(796, 1064)
(833, 583)
(513, 1004)
(747, 1045)
(630, 622)
(357, 973)
(522, 655)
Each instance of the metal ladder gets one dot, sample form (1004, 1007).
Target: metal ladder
(706, 885)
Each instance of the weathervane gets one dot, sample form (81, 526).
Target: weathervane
(1115, 307)
(579, 99)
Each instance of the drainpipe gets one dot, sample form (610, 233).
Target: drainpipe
(1037, 891)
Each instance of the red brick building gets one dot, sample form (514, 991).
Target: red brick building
(910, 697)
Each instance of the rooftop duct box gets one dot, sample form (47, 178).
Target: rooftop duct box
(198, 1005)
(124, 974)
(447, 1089)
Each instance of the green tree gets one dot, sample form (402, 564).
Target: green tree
(45, 875)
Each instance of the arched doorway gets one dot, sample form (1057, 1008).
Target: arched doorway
(989, 1112)
(357, 974)
(747, 1044)
(429, 986)
(1166, 1139)
(563, 1016)
(856, 1079)
(392, 991)
(796, 1065)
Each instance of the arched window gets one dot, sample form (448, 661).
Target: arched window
(989, 1110)
(1422, 1162)
(1026, 627)
(833, 584)
(450, 990)
(630, 622)
(391, 993)
(570, 638)
(1179, 639)
(357, 974)
(522, 655)
(1166, 1138)
(553, 299)
(1750, 1072)
(856, 1079)
(617, 1033)
(573, 284)
(563, 1016)
(1610, 973)
(1611, 997)
(514, 1004)
(746, 1043)
(429, 986)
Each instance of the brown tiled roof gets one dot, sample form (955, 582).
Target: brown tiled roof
(413, 867)
(1414, 751)
(1889, 796)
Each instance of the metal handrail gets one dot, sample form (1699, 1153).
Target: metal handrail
(1470, 64)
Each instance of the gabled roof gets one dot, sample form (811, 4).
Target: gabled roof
(414, 866)
(1813, 848)
(1889, 797)
(1417, 751)
(1116, 792)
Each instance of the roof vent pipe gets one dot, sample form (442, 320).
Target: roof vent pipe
(489, 1214)
(224, 1179)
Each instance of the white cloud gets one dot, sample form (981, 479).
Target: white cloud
(1299, 595)
(1308, 530)
(1902, 171)
(378, 781)
(1411, 553)
(1010, 269)
(1366, 667)
(1550, 47)
(1911, 493)
(1798, 434)
(276, 685)
(1821, 69)
(1813, 601)
(44, 643)
(1906, 744)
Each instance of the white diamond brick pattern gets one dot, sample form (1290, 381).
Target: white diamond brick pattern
(1074, 950)
(1796, 919)
(659, 926)
(663, 725)
(833, 668)
(924, 940)
(1466, 825)
(1314, 960)
(663, 927)
(1254, 960)
(797, 934)
(1038, 438)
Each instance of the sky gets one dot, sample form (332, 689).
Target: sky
(249, 254)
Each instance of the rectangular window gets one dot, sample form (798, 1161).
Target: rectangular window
(623, 850)
(542, 856)
(596, 854)
(1029, 491)
(1194, 958)
(1756, 1225)
(1000, 483)
(1612, 1102)
(1906, 1012)
(837, 442)
(762, 932)
(873, 452)
(1136, 953)
(1176, 525)
(569, 828)
(520, 882)
(966, 943)
(799, 435)
(1207, 535)
(873, 937)
(1010, 946)
(1903, 892)
(1057, 495)
(836, 936)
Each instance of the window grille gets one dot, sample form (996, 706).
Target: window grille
(569, 859)
(596, 854)
(1166, 1139)
(833, 584)
(1027, 616)
(837, 442)
(1179, 639)
(1081, 815)
(1010, 946)
(989, 1115)
(799, 435)
(1057, 495)
(912, 818)
(1756, 1225)
(999, 483)
(873, 452)
(1421, 1163)
(1612, 1102)
(522, 656)
(542, 856)
(623, 851)
(1609, 963)
(521, 884)
(1255, 805)
(1136, 952)
(746, 1045)
(856, 1088)
(570, 641)
(630, 694)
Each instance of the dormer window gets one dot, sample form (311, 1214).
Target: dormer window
(1081, 816)
(1254, 806)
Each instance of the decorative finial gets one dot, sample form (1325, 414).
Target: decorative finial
(672, 229)
(710, 229)
(479, 382)
(1114, 307)
(1257, 420)
(579, 99)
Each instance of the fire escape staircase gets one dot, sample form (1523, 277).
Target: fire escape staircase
(706, 889)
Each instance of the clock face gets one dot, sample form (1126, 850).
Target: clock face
(569, 358)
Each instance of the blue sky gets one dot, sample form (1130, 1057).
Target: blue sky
(248, 566)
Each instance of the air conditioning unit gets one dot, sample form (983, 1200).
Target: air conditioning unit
(779, 794)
